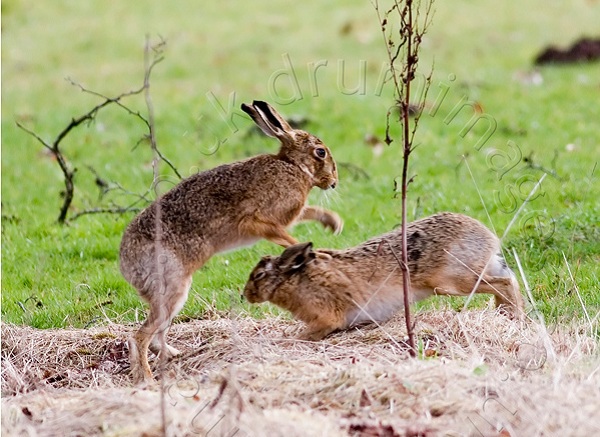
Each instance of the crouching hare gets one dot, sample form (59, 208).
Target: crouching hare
(216, 210)
(334, 289)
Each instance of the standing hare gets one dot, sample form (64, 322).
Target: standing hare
(448, 254)
(216, 210)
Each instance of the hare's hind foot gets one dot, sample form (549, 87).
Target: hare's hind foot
(139, 368)
(160, 348)
(164, 353)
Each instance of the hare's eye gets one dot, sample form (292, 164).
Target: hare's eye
(320, 152)
(259, 276)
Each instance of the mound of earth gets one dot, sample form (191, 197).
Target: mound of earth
(584, 50)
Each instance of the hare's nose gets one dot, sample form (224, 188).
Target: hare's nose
(333, 185)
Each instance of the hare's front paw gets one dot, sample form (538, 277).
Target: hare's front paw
(316, 333)
(512, 312)
(333, 221)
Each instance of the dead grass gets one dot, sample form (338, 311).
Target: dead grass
(477, 374)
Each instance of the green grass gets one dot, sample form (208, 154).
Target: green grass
(55, 276)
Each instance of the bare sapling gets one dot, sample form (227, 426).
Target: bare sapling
(403, 25)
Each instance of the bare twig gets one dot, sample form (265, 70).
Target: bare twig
(410, 326)
(115, 210)
(106, 187)
(148, 67)
(356, 171)
(528, 160)
(101, 183)
(142, 197)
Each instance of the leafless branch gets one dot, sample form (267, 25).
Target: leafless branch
(149, 122)
(55, 145)
(115, 101)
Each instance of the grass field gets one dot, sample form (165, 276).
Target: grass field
(222, 54)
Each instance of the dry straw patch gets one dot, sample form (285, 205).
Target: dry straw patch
(478, 374)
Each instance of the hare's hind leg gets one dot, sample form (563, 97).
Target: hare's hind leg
(164, 303)
(158, 344)
(497, 279)
(504, 288)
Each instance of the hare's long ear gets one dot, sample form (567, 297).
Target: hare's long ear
(269, 120)
(296, 256)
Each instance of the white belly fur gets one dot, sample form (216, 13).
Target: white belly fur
(237, 245)
(382, 305)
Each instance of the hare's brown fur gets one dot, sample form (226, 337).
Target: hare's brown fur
(448, 254)
(216, 210)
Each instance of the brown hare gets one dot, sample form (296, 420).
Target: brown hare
(334, 289)
(216, 210)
